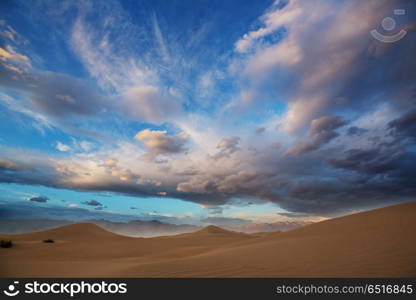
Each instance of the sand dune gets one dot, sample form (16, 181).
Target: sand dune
(378, 243)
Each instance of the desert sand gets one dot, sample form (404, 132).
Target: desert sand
(377, 243)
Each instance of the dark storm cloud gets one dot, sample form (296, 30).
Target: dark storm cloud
(389, 155)
(321, 132)
(338, 196)
(6, 164)
(371, 161)
(354, 130)
(40, 172)
(41, 199)
(406, 124)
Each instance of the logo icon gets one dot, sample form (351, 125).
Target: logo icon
(11, 289)
(389, 24)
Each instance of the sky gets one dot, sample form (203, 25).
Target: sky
(193, 111)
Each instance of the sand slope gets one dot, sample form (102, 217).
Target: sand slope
(378, 243)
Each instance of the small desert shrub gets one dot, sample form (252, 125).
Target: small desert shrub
(6, 244)
(48, 241)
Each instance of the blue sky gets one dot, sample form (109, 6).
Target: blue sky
(251, 111)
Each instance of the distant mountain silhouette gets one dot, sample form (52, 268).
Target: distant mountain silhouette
(135, 228)
(269, 227)
(139, 228)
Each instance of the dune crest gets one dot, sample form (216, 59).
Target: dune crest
(71, 232)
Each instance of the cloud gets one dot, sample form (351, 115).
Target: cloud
(238, 183)
(359, 173)
(125, 175)
(92, 203)
(157, 142)
(322, 131)
(9, 33)
(51, 99)
(325, 124)
(299, 69)
(113, 67)
(314, 50)
(354, 130)
(243, 183)
(86, 146)
(212, 209)
(12, 56)
(260, 130)
(40, 199)
(276, 17)
(110, 162)
(6, 164)
(163, 50)
(150, 104)
(200, 186)
(62, 147)
(100, 207)
(405, 125)
(293, 215)
(230, 145)
(53, 94)
(227, 146)
(61, 95)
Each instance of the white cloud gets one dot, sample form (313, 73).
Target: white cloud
(63, 147)
(114, 70)
(272, 21)
(86, 146)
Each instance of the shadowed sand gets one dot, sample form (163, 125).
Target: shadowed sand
(378, 243)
